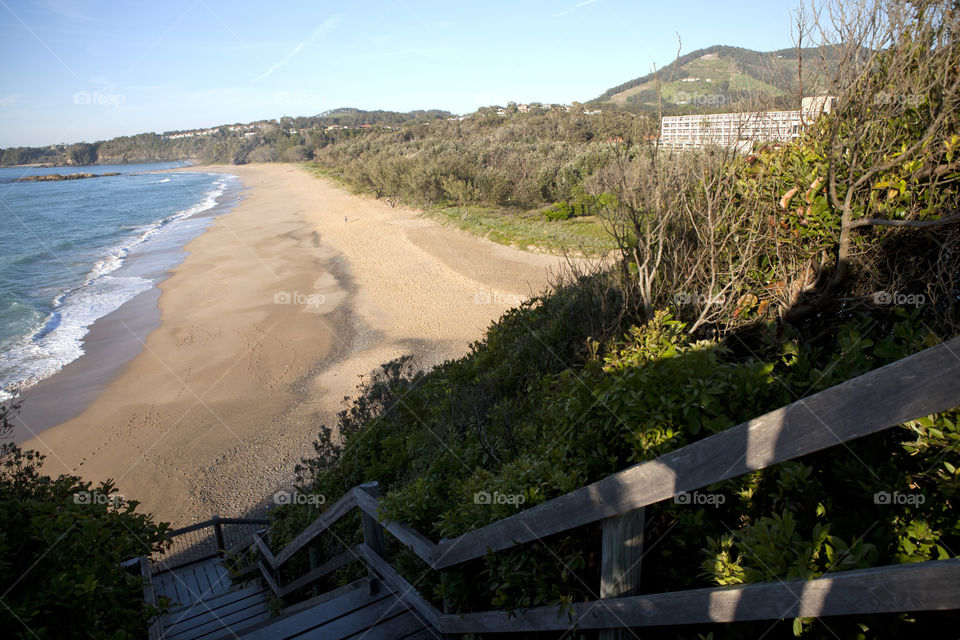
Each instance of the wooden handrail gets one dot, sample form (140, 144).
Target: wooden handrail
(921, 586)
(213, 522)
(323, 522)
(404, 590)
(407, 535)
(894, 394)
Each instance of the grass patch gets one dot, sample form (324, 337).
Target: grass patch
(319, 171)
(528, 230)
(524, 229)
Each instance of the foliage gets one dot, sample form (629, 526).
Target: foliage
(686, 336)
(82, 153)
(62, 542)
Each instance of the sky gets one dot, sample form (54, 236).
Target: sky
(82, 70)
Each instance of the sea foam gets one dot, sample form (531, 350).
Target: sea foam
(59, 338)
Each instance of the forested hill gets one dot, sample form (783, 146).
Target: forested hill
(719, 75)
(288, 138)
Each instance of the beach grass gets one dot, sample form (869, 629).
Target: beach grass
(528, 230)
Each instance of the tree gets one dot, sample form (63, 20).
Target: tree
(890, 145)
(82, 153)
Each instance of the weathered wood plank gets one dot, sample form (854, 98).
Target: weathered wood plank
(220, 581)
(201, 614)
(290, 625)
(913, 387)
(408, 536)
(921, 586)
(372, 533)
(229, 624)
(339, 509)
(380, 612)
(223, 600)
(203, 579)
(329, 566)
(149, 596)
(620, 556)
(265, 572)
(238, 628)
(183, 594)
(399, 627)
(265, 552)
(400, 587)
(621, 552)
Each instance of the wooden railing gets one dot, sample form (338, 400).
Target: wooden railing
(194, 543)
(919, 385)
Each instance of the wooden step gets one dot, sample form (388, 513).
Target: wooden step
(192, 583)
(354, 612)
(206, 605)
(225, 601)
(405, 625)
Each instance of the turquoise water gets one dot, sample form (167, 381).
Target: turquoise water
(63, 246)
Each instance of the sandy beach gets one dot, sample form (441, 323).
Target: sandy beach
(278, 310)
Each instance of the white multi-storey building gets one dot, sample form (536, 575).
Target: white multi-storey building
(740, 130)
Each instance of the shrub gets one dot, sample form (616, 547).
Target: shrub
(62, 542)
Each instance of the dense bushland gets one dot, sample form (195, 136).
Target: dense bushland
(523, 161)
(62, 542)
(744, 284)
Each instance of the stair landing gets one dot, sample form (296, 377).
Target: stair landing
(205, 605)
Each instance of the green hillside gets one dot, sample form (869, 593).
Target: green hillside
(720, 76)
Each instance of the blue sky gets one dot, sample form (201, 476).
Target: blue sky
(90, 70)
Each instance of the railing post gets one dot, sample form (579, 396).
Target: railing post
(218, 534)
(372, 532)
(621, 552)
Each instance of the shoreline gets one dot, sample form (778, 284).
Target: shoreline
(116, 338)
(230, 390)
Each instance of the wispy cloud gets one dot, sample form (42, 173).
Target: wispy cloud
(10, 100)
(574, 8)
(318, 33)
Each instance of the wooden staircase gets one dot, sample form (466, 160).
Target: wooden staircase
(363, 609)
(207, 607)
(205, 604)
(385, 605)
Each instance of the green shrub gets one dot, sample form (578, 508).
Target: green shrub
(62, 542)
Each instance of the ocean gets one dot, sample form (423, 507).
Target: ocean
(69, 253)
